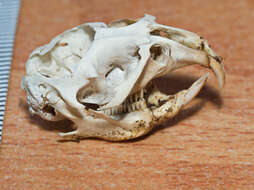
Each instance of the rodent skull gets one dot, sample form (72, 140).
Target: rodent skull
(100, 76)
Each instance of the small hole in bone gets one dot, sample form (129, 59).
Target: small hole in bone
(136, 54)
(155, 51)
(162, 34)
(49, 109)
(91, 106)
(155, 32)
(63, 44)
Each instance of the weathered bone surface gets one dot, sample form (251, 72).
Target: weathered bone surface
(101, 77)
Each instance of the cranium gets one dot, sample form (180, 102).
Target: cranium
(101, 77)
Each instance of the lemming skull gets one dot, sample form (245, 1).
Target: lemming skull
(100, 77)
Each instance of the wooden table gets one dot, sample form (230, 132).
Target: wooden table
(209, 145)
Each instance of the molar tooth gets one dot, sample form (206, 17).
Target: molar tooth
(142, 104)
(138, 105)
(128, 100)
(125, 110)
(136, 97)
(113, 111)
(119, 109)
(116, 110)
(141, 93)
(129, 108)
(133, 106)
(141, 107)
(131, 98)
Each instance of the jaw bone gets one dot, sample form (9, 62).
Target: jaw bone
(139, 122)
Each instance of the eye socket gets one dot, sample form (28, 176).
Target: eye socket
(156, 51)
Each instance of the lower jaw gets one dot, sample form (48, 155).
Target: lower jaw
(130, 125)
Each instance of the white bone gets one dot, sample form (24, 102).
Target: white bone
(96, 75)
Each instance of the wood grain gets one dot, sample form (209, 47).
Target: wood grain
(209, 145)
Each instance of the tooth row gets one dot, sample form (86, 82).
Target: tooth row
(124, 108)
(132, 103)
(135, 97)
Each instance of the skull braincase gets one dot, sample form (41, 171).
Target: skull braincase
(100, 76)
